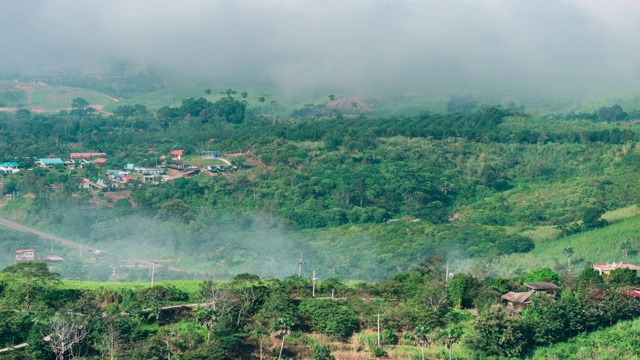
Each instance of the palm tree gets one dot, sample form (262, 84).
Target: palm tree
(283, 327)
(568, 253)
(421, 332)
(626, 247)
(451, 336)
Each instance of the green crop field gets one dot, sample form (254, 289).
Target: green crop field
(596, 246)
(617, 342)
(47, 98)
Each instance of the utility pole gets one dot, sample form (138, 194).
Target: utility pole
(300, 263)
(378, 315)
(313, 290)
(153, 270)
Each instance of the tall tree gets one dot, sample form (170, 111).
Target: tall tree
(261, 100)
(67, 332)
(568, 253)
(273, 103)
(626, 246)
(282, 327)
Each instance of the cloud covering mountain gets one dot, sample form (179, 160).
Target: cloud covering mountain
(449, 46)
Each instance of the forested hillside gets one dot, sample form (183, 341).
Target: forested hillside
(359, 197)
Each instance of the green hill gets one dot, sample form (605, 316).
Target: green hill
(617, 342)
(39, 97)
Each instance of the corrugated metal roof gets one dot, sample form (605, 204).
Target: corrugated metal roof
(517, 297)
(542, 286)
(53, 161)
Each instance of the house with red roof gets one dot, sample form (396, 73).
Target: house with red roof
(86, 155)
(177, 154)
(25, 255)
(99, 161)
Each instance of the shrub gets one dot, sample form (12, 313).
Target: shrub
(328, 317)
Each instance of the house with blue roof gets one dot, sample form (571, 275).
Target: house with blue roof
(49, 162)
(10, 167)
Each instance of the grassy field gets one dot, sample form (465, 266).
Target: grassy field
(596, 246)
(197, 160)
(617, 342)
(47, 98)
(191, 287)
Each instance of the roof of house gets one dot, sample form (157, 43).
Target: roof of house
(177, 152)
(86, 155)
(633, 292)
(100, 160)
(24, 251)
(517, 297)
(52, 161)
(9, 163)
(53, 258)
(542, 286)
(613, 266)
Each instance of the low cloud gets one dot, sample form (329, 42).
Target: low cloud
(364, 46)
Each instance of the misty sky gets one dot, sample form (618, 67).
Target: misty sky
(439, 46)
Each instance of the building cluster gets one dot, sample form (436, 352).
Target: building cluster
(519, 301)
(29, 255)
(116, 176)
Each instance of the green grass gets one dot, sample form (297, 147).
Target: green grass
(596, 246)
(197, 160)
(622, 214)
(617, 342)
(191, 287)
(542, 234)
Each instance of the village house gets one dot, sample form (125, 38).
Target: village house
(518, 301)
(148, 170)
(49, 162)
(119, 176)
(99, 161)
(10, 167)
(25, 255)
(545, 287)
(52, 259)
(605, 269)
(177, 154)
(86, 155)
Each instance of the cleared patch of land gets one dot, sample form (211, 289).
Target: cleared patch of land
(40, 97)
